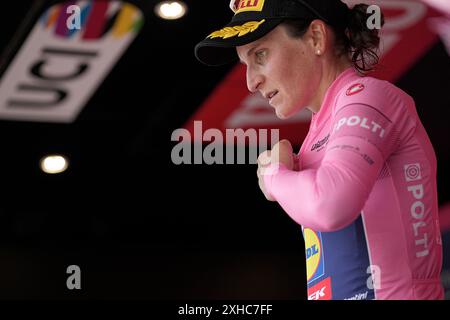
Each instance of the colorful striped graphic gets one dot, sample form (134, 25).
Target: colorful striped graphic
(98, 18)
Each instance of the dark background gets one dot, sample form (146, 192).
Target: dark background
(138, 225)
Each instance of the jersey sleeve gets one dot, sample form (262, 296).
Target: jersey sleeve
(364, 132)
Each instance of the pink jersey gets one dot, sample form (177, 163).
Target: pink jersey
(365, 194)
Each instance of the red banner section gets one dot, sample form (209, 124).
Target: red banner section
(406, 37)
(444, 217)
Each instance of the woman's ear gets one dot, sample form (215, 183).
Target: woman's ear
(319, 35)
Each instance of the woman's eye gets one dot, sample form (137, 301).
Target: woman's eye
(260, 55)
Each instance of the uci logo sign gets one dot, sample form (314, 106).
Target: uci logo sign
(65, 58)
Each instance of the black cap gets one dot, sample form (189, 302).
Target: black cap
(255, 18)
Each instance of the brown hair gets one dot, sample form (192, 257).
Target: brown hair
(354, 39)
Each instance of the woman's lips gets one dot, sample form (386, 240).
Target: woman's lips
(272, 97)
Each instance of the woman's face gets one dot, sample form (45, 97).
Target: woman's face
(284, 69)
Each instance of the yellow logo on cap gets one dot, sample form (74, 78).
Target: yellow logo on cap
(248, 5)
(239, 31)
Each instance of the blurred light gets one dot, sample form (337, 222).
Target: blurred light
(53, 164)
(170, 10)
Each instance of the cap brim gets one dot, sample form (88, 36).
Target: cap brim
(218, 50)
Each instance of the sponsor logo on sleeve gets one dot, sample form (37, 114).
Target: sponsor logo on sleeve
(418, 209)
(362, 122)
(354, 89)
(412, 172)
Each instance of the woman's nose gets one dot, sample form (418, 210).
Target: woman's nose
(254, 80)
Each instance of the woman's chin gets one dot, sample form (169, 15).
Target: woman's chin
(282, 114)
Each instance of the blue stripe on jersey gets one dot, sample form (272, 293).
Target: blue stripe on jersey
(344, 258)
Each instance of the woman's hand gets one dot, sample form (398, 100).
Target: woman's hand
(280, 153)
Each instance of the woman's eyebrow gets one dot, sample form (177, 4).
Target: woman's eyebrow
(249, 53)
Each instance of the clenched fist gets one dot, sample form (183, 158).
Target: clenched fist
(280, 153)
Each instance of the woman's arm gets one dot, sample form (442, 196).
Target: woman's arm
(331, 196)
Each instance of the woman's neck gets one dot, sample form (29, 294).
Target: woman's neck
(328, 77)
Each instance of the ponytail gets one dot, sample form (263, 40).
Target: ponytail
(360, 42)
(353, 37)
